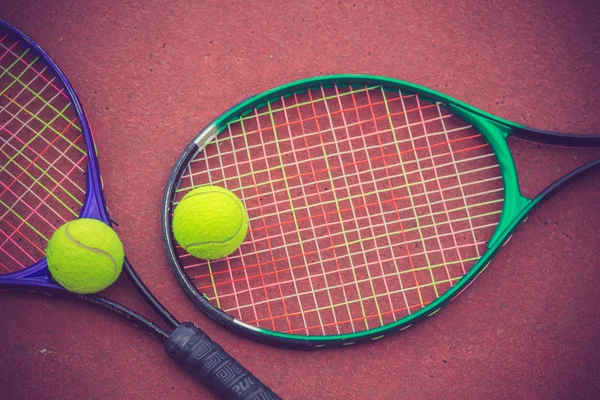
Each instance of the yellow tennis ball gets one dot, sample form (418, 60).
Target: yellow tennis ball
(85, 256)
(210, 222)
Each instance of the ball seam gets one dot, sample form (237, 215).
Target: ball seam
(114, 262)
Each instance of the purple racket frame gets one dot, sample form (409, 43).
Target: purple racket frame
(190, 347)
(94, 204)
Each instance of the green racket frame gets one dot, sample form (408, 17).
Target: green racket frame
(495, 130)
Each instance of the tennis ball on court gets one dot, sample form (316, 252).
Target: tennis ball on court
(210, 222)
(85, 256)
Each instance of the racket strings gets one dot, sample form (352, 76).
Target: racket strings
(258, 184)
(42, 156)
(309, 147)
(362, 206)
(251, 267)
(365, 205)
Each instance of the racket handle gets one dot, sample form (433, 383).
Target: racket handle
(211, 365)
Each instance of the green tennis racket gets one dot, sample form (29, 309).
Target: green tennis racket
(372, 203)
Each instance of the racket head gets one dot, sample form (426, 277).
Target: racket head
(50, 172)
(328, 168)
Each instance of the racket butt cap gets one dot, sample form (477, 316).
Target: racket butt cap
(206, 361)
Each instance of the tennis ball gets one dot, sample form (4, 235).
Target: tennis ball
(85, 256)
(210, 222)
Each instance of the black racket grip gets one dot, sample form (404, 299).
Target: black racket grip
(211, 365)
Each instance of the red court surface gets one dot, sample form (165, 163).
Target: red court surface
(151, 74)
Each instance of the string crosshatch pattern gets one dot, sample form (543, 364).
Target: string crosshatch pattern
(366, 204)
(42, 156)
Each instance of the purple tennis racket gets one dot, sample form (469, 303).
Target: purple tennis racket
(49, 175)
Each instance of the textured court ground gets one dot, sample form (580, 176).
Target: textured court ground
(152, 74)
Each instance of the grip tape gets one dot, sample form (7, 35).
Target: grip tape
(211, 365)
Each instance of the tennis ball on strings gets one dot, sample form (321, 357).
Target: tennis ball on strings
(85, 256)
(210, 222)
